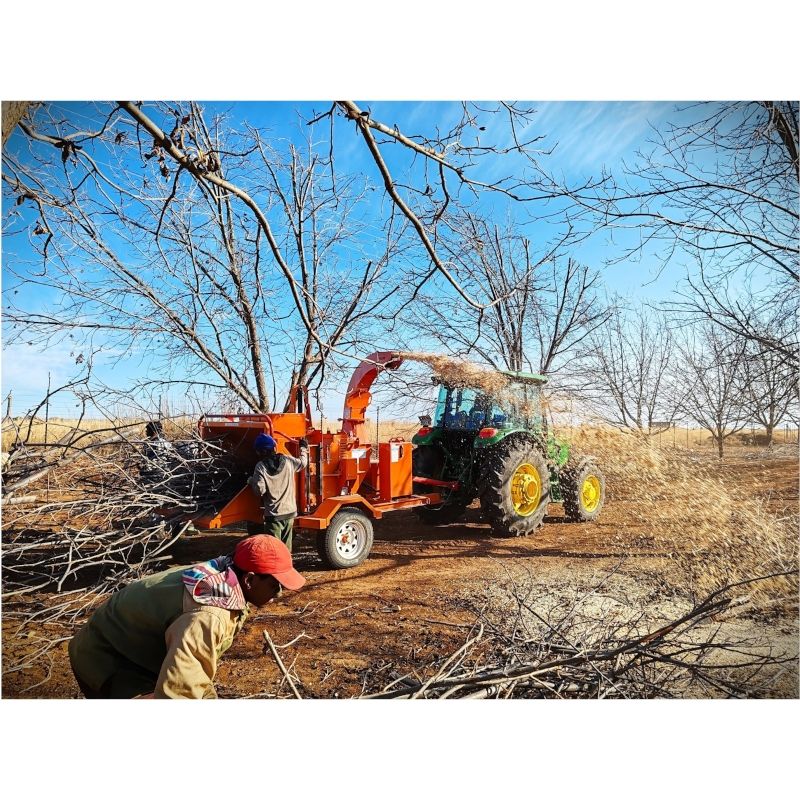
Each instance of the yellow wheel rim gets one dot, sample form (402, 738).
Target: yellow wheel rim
(590, 493)
(526, 489)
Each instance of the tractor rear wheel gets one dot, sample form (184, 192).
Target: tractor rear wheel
(584, 490)
(347, 540)
(517, 489)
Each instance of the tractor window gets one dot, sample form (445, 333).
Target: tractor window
(462, 409)
(524, 405)
(471, 410)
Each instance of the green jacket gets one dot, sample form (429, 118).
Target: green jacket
(155, 625)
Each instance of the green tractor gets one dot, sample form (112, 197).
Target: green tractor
(494, 445)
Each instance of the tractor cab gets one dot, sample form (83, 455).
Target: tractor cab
(470, 412)
(516, 405)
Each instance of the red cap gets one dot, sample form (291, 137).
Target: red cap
(266, 555)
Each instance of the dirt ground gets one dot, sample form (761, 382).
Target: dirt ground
(405, 605)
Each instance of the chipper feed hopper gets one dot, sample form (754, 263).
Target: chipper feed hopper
(346, 484)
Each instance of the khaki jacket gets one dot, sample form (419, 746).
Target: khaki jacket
(155, 625)
(195, 642)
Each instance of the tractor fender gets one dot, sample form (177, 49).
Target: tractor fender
(520, 434)
(527, 436)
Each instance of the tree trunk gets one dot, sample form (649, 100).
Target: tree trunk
(13, 112)
(769, 429)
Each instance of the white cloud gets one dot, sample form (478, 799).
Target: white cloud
(600, 133)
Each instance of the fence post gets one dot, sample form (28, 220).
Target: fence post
(8, 406)
(47, 429)
(47, 410)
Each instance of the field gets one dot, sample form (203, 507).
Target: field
(677, 524)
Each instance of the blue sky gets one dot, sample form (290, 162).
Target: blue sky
(588, 136)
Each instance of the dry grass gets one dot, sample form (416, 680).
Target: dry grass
(691, 505)
(388, 428)
(37, 432)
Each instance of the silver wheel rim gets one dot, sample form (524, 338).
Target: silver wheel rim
(350, 539)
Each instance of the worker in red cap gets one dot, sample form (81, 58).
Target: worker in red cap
(163, 635)
(274, 484)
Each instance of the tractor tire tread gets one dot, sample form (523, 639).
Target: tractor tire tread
(571, 479)
(496, 501)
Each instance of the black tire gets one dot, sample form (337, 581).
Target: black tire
(583, 503)
(517, 471)
(441, 515)
(347, 541)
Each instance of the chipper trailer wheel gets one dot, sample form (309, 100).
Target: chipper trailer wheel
(518, 489)
(584, 490)
(347, 540)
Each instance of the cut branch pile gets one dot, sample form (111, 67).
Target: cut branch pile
(581, 656)
(115, 508)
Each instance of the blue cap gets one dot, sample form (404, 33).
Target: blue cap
(264, 442)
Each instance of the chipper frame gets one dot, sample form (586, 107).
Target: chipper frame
(346, 484)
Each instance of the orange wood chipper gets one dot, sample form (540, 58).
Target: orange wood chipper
(346, 484)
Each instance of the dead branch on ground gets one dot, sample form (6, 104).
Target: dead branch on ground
(573, 653)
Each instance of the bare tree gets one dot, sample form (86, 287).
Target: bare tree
(709, 379)
(143, 243)
(723, 188)
(629, 370)
(538, 310)
(768, 386)
(13, 112)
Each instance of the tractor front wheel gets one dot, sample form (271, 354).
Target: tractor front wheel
(517, 489)
(584, 491)
(347, 540)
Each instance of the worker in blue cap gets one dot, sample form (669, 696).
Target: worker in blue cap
(274, 483)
